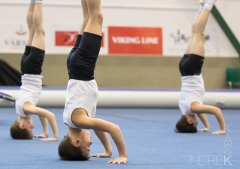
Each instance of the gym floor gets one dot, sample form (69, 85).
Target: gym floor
(149, 136)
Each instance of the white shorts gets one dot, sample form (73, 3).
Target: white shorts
(80, 94)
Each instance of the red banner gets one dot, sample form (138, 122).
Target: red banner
(65, 38)
(68, 38)
(135, 40)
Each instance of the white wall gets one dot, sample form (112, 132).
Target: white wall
(171, 15)
(230, 12)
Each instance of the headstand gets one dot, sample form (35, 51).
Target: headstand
(30, 90)
(82, 94)
(192, 90)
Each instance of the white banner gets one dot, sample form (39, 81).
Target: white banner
(13, 37)
(59, 39)
(176, 39)
(175, 19)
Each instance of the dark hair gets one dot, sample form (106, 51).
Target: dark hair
(183, 126)
(17, 133)
(67, 151)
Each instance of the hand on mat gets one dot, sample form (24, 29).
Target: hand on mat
(49, 139)
(41, 136)
(102, 155)
(119, 160)
(203, 130)
(219, 132)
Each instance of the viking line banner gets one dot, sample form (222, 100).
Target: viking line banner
(135, 40)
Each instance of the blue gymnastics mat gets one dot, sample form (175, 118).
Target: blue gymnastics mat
(149, 136)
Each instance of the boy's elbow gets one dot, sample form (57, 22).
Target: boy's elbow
(51, 115)
(116, 128)
(218, 110)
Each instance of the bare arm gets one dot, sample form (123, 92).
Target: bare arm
(198, 108)
(103, 137)
(30, 109)
(203, 118)
(45, 128)
(80, 119)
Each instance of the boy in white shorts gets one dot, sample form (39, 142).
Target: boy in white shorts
(192, 90)
(30, 90)
(82, 94)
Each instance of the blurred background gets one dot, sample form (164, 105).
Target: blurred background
(143, 42)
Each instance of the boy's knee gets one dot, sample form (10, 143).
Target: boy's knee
(199, 35)
(39, 30)
(194, 25)
(37, 22)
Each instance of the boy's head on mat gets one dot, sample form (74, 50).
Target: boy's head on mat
(75, 147)
(22, 128)
(187, 124)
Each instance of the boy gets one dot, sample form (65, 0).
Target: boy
(31, 67)
(82, 93)
(192, 90)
